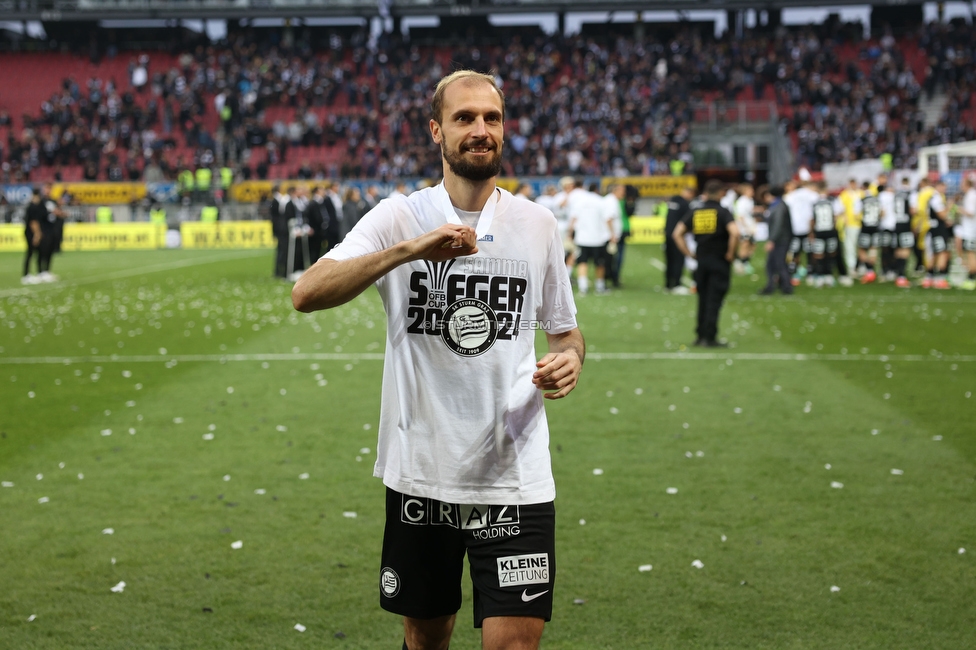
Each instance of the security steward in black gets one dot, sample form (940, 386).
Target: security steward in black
(674, 259)
(717, 237)
(39, 230)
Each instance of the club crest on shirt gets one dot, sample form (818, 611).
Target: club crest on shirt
(468, 328)
(468, 303)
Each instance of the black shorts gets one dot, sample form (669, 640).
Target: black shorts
(868, 238)
(887, 237)
(824, 244)
(511, 551)
(798, 243)
(903, 239)
(595, 254)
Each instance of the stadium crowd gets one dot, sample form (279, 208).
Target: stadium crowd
(577, 105)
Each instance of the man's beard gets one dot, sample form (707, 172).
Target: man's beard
(473, 171)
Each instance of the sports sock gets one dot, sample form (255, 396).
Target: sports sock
(601, 285)
(583, 283)
(900, 267)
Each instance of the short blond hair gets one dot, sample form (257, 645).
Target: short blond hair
(437, 101)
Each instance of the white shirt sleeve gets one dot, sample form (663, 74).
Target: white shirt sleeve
(558, 310)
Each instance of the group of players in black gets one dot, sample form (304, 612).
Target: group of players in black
(883, 225)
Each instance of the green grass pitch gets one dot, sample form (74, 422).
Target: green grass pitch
(176, 399)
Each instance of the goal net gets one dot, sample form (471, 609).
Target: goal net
(952, 162)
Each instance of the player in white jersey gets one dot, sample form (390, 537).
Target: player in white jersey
(800, 202)
(466, 274)
(967, 228)
(744, 212)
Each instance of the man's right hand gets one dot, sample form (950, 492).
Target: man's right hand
(769, 247)
(444, 243)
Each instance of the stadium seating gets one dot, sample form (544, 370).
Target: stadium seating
(578, 104)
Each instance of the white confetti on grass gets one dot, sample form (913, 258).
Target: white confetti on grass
(349, 514)
(108, 531)
(672, 490)
(81, 476)
(208, 436)
(300, 627)
(39, 477)
(698, 564)
(43, 500)
(582, 522)
(177, 420)
(364, 450)
(106, 432)
(614, 410)
(303, 476)
(132, 431)
(836, 485)
(281, 428)
(226, 477)
(897, 472)
(638, 391)
(961, 551)
(30, 619)
(119, 588)
(644, 568)
(834, 589)
(7, 484)
(937, 438)
(230, 390)
(237, 545)
(260, 491)
(827, 466)
(808, 407)
(724, 538)
(874, 432)
(597, 472)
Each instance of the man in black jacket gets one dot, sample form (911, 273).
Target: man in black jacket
(717, 238)
(778, 244)
(673, 257)
(279, 227)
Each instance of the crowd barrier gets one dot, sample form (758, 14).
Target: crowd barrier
(254, 191)
(148, 236)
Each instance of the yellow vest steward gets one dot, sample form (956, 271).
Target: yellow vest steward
(103, 214)
(203, 178)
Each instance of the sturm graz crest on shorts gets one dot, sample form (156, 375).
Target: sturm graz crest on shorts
(389, 582)
(469, 327)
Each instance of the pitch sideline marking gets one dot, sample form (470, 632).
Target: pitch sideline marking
(116, 275)
(595, 356)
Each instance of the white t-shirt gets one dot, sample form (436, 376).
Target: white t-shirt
(800, 203)
(936, 204)
(886, 201)
(611, 212)
(968, 221)
(461, 420)
(588, 214)
(744, 218)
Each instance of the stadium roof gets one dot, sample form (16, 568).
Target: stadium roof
(83, 10)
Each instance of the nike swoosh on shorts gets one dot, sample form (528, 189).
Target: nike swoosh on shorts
(527, 598)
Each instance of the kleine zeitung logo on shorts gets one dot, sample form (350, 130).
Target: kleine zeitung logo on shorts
(517, 570)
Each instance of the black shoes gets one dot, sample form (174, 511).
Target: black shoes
(709, 343)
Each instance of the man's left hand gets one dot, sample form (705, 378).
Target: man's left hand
(557, 372)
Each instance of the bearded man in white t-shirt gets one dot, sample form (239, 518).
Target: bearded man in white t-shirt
(466, 274)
